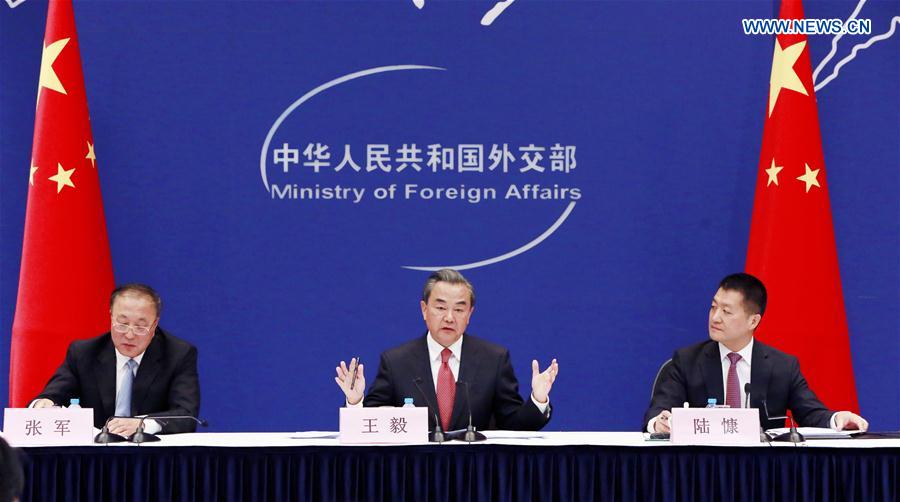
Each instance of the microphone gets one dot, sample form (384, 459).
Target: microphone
(793, 436)
(140, 436)
(438, 435)
(763, 438)
(471, 434)
(106, 437)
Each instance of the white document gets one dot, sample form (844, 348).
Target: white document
(512, 434)
(815, 433)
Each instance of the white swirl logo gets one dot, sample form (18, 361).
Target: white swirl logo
(519, 191)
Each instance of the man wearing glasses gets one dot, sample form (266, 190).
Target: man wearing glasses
(135, 369)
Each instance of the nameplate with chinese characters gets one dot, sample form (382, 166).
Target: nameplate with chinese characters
(48, 426)
(384, 425)
(720, 426)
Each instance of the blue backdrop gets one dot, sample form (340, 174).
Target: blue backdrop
(663, 101)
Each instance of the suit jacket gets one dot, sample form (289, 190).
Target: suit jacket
(696, 374)
(166, 382)
(486, 368)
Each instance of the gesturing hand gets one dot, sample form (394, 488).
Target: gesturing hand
(344, 378)
(541, 383)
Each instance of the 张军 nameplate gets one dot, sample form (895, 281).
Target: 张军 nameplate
(48, 426)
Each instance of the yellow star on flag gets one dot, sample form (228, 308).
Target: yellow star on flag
(773, 173)
(48, 77)
(63, 178)
(90, 155)
(810, 178)
(34, 169)
(783, 74)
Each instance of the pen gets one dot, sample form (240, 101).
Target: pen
(353, 376)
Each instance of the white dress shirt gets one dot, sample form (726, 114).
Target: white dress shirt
(434, 355)
(122, 367)
(150, 425)
(743, 368)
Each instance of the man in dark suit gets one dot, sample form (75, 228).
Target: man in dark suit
(440, 364)
(135, 369)
(720, 367)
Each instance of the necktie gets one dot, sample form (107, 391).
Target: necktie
(123, 397)
(733, 392)
(446, 389)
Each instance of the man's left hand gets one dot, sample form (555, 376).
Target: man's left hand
(124, 426)
(541, 383)
(846, 421)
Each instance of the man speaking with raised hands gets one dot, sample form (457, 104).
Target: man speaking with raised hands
(436, 368)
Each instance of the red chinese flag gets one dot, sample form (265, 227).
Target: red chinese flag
(66, 275)
(792, 245)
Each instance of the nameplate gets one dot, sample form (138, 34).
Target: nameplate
(48, 426)
(719, 426)
(384, 425)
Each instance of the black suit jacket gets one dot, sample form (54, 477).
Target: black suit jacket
(166, 382)
(485, 366)
(696, 374)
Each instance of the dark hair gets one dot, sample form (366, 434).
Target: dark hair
(139, 289)
(451, 276)
(750, 287)
(12, 480)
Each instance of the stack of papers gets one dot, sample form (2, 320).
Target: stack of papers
(815, 433)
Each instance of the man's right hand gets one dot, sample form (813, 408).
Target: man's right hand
(43, 403)
(344, 377)
(661, 422)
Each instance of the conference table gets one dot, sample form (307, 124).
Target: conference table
(508, 466)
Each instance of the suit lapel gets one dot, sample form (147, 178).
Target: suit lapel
(105, 374)
(468, 372)
(760, 371)
(422, 369)
(146, 373)
(712, 373)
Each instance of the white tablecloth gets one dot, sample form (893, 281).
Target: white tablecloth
(316, 438)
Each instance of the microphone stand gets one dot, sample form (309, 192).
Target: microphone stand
(438, 435)
(763, 438)
(792, 436)
(106, 437)
(140, 436)
(471, 434)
